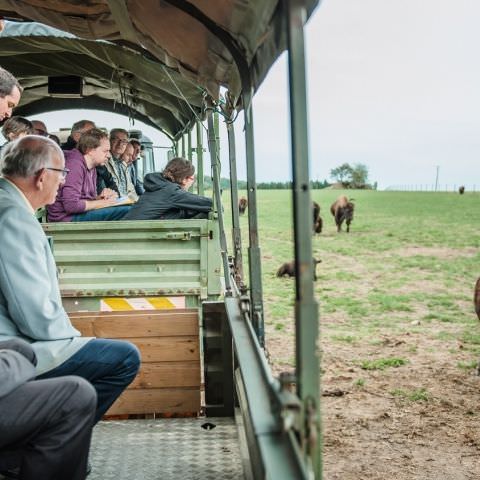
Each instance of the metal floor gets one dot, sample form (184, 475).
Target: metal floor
(174, 448)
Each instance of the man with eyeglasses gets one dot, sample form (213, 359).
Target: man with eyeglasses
(45, 424)
(49, 426)
(116, 166)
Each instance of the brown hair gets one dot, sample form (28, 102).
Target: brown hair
(91, 139)
(15, 126)
(177, 169)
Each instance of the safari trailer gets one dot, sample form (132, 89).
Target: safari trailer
(172, 287)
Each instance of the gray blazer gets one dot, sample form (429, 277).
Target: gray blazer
(30, 303)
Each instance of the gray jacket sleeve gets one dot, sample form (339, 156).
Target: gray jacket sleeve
(15, 370)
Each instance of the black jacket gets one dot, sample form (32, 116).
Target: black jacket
(105, 180)
(164, 199)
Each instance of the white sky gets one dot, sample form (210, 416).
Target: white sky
(394, 85)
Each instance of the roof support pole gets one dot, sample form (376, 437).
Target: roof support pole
(183, 145)
(254, 254)
(215, 162)
(236, 234)
(306, 307)
(189, 146)
(199, 150)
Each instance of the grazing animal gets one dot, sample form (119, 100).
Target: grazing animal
(317, 219)
(242, 205)
(461, 189)
(342, 210)
(288, 268)
(476, 298)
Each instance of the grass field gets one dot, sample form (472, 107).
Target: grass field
(399, 337)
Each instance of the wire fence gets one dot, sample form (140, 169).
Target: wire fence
(425, 187)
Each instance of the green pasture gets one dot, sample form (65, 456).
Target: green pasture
(409, 262)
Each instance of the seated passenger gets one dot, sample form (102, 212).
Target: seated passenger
(166, 195)
(17, 127)
(77, 199)
(78, 128)
(132, 168)
(127, 159)
(115, 165)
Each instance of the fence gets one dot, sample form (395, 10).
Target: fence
(425, 187)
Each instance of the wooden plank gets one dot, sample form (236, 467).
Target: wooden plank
(121, 327)
(168, 375)
(85, 326)
(168, 349)
(159, 400)
(135, 314)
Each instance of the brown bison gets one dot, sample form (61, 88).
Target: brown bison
(461, 189)
(476, 298)
(317, 219)
(342, 210)
(288, 269)
(242, 205)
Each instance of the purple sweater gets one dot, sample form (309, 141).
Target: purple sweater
(80, 185)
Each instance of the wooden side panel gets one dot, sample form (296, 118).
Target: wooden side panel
(169, 377)
(158, 400)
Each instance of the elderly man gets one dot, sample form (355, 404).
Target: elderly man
(46, 424)
(77, 200)
(30, 304)
(116, 166)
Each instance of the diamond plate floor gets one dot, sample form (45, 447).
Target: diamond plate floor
(166, 449)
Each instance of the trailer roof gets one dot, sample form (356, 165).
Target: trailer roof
(155, 58)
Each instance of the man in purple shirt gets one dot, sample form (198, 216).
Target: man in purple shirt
(77, 200)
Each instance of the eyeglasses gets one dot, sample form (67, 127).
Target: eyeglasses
(41, 132)
(119, 140)
(63, 170)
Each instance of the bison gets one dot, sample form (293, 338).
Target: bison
(476, 298)
(288, 268)
(317, 219)
(342, 210)
(461, 189)
(242, 205)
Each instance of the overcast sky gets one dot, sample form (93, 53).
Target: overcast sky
(394, 85)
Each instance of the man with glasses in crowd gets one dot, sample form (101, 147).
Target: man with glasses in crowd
(116, 166)
(46, 425)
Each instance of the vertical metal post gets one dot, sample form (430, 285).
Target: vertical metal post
(254, 255)
(200, 175)
(183, 145)
(306, 308)
(189, 146)
(236, 234)
(214, 159)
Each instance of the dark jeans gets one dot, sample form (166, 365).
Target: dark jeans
(46, 427)
(109, 365)
(102, 214)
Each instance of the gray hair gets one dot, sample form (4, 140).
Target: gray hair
(26, 156)
(115, 131)
(80, 125)
(7, 83)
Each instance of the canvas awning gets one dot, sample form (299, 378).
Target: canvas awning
(168, 53)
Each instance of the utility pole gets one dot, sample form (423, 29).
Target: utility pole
(436, 179)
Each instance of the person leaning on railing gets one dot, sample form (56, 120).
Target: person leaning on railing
(167, 197)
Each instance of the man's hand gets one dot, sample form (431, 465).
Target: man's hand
(107, 194)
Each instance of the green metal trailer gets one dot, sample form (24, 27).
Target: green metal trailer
(164, 63)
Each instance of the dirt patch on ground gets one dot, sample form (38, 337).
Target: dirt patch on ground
(420, 420)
